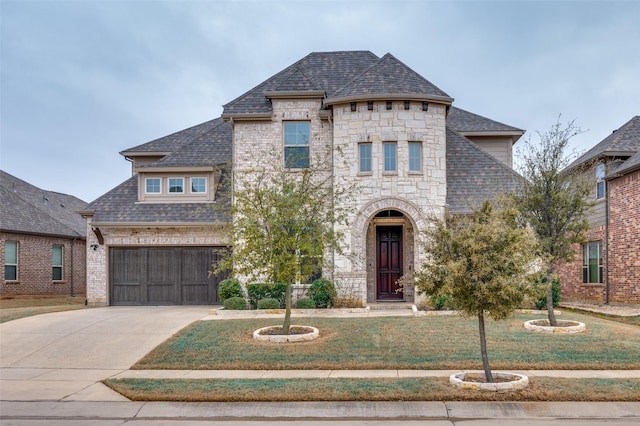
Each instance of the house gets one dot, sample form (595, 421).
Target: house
(411, 151)
(608, 265)
(43, 240)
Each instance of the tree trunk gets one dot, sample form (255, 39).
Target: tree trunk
(287, 312)
(551, 314)
(483, 348)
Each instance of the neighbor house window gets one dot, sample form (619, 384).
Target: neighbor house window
(415, 156)
(390, 156)
(297, 135)
(365, 157)
(152, 185)
(592, 262)
(57, 262)
(176, 185)
(198, 185)
(11, 261)
(600, 181)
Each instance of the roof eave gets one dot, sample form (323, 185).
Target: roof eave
(156, 224)
(295, 94)
(177, 169)
(247, 116)
(144, 153)
(390, 96)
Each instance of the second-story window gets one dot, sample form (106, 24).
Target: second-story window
(415, 156)
(176, 185)
(152, 185)
(198, 185)
(600, 192)
(365, 157)
(297, 135)
(390, 156)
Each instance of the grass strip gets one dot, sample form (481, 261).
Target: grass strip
(407, 389)
(431, 343)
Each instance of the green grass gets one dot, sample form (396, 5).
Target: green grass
(409, 389)
(16, 307)
(437, 342)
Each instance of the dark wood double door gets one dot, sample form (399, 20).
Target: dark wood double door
(388, 262)
(163, 275)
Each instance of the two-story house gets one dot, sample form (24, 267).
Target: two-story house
(395, 133)
(607, 269)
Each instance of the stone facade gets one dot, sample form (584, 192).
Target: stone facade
(35, 266)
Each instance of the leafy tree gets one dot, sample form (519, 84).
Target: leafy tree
(482, 263)
(553, 200)
(284, 223)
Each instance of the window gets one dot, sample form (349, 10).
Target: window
(390, 157)
(296, 144)
(415, 156)
(600, 181)
(11, 261)
(152, 185)
(592, 262)
(198, 185)
(57, 262)
(365, 157)
(176, 185)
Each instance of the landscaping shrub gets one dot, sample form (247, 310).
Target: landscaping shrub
(235, 304)
(305, 303)
(268, 304)
(323, 293)
(439, 302)
(541, 284)
(228, 288)
(347, 302)
(259, 291)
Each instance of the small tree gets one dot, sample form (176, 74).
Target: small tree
(482, 263)
(282, 219)
(553, 200)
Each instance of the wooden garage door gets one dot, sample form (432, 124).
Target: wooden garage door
(163, 275)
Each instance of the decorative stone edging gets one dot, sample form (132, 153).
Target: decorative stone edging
(519, 382)
(286, 338)
(577, 327)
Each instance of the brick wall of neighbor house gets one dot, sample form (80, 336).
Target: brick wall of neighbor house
(98, 259)
(570, 274)
(35, 266)
(624, 239)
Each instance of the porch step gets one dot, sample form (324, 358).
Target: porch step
(388, 306)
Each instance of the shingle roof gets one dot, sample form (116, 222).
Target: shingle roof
(328, 71)
(25, 208)
(630, 165)
(624, 140)
(473, 175)
(175, 140)
(120, 206)
(389, 76)
(213, 147)
(465, 121)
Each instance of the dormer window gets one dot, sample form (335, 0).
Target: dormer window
(152, 185)
(176, 185)
(198, 185)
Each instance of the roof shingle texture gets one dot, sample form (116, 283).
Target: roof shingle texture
(465, 121)
(175, 140)
(473, 175)
(25, 208)
(625, 139)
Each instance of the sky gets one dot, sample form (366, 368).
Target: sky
(81, 81)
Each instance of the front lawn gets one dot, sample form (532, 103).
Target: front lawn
(16, 307)
(433, 343)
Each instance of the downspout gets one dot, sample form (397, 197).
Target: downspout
(333, 252)
(72, 266)
(606, 243)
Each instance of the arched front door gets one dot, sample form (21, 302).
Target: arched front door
(388, 262)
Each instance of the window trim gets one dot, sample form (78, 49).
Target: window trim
(191, 179)
(55, 266)
(410, 158)
(146, 185)
(600, 186)
(15, 265)
(586, 271)
(369, 158)
(294, 163)
(169, 191)
(385, 158)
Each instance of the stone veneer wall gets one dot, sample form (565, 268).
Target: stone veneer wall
(98, 260)
(624, 239)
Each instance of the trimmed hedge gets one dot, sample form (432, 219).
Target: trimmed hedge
(305, 303)
(259, 291)
(541, 283)
(228, 288)
(235, 304)
(268, 304)
(323, 293)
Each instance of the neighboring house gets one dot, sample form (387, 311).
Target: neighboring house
(43, 240)
(412, 153)
(608, 265)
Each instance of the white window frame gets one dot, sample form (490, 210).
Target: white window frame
(55, 265)
(586, 271)
(15, 265)
(146, 185)
(169, 181)
(294, 143)
(600, 187)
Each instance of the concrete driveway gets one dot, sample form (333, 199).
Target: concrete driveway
(62, 355)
